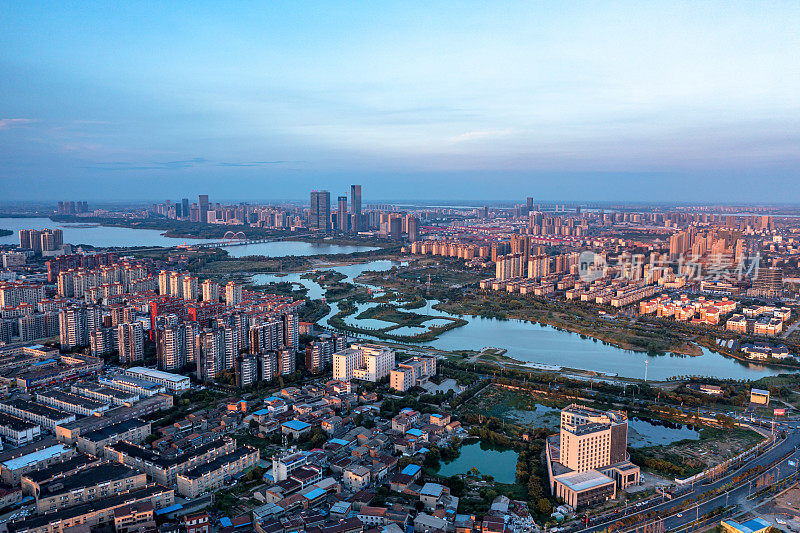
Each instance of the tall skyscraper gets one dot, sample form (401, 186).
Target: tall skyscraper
(185, 208)
(413, 229)
(203, 203)
(342, 219)
(355, 208)
(320, 214)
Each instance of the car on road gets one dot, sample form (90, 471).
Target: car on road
(679, 515)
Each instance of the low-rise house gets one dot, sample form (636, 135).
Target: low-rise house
(356, 478)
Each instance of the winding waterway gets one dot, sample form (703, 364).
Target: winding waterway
(542, 344)
(523, 341)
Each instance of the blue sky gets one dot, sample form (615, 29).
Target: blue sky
(462, 100)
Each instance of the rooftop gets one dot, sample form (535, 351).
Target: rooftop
(751, 526)
(157, 374)
(296, 425)
(579, 481)
(107, 432)
(87, 478)
(73, 463)
(70, 398)
(14, 423)
(36, 457)
(36, 522)
(217, 463)
(158, 460)
(39, 410)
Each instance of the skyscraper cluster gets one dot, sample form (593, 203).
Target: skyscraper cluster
(41, 241)
(321, 219)
(72, 207)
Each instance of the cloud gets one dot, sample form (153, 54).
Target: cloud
(185, 163)
(151, 165)
(255, 163)
(476, 135)
(8, 123)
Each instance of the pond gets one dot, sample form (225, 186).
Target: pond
(642, 433)
(497, 462)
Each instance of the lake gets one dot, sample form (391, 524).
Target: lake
(496, 462)
(108, 236)
(100, 236)
(285, 248)
(540, 344)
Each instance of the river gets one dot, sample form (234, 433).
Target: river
(108, 236)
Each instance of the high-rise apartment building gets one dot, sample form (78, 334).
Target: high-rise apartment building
(209, 353)
(396, 227)
(233, 293)
(246, 370)
(190, 288)
(185, 208)
(319, 353)
(266, 336)
(130, 342)
(767, 283)
(74, 325)
(287, 361)
(171, 347)
(163, 283)
(319, 215)
(268, 365)
(210, 291)
(176, 284)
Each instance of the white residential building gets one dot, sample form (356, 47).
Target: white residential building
(368, 362)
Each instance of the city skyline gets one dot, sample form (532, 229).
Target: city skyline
(626, 103)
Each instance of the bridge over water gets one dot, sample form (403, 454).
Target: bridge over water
(240, 239)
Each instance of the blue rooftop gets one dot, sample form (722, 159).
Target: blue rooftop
(272, 399)
(406, 409)
(261, 412)
(314, 494)
(225, 521)
(340, 441)
(171, 508)
(416, 432)
(751, 526)
(411, 470)
(296, 425)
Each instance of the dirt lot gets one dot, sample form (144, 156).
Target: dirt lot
(688, 457)
(785, 507)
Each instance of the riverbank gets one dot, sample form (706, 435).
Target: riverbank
(5, 232)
